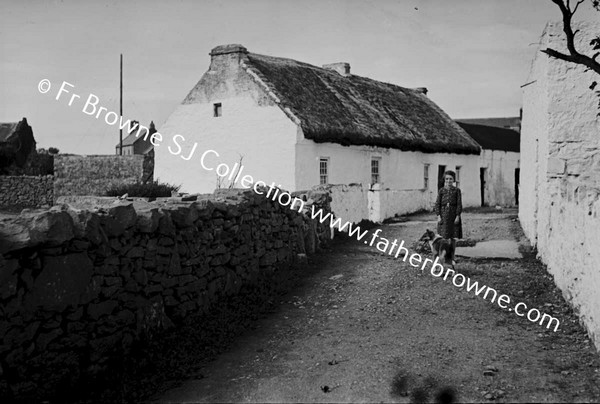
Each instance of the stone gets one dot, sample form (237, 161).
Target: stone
(125, 215)
(147, 220)
(61, 283)
(8, 278)
(45, 338)
(95, 311)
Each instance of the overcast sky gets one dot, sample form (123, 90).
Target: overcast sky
(472, 55)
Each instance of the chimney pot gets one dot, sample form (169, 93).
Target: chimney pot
(342, 68)
(225, 49)
(422, 90)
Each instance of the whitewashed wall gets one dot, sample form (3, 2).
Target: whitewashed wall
(561, 198)
(349, 202)
(400, 170)
(251, 126)
(500, 184)
(387, 203)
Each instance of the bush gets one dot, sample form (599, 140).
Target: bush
(143, 190)
(53, 150)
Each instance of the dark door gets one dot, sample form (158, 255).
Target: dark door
(441, 171)
(517, 174)
(482, 182)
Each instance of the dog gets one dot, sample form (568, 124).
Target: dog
(440, 247)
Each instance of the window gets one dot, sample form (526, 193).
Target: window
(375, 177)
(426, 176)
(217, 109)
(458, 176)
(324, 170)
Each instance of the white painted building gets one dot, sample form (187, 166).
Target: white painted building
(299, 126)
(559, 205)
(499, 159)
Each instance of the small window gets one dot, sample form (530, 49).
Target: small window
(217, 109)
(324, 170)
(375, 177)
(458, 176)
(426, 176)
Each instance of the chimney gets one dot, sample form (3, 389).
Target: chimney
(224, 55)
(342, 68)
(422, 90)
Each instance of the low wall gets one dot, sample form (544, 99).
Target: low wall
(570, 248)
(387, 203)
(348, 202)
(353, 203)
(401, 202)
(94, 175)
(79, 287)
(26, 191)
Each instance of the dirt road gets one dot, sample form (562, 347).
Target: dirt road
(366, 327)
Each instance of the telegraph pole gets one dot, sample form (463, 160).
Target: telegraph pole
(121, 108)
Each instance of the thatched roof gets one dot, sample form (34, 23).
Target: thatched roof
(355, 110)
(494, 138)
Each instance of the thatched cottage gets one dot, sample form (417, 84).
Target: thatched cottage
(300, 125)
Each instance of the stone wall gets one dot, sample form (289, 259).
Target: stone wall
(559, 206)
(93, 175)
(79, 287)
(26, 191)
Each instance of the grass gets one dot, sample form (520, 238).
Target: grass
(143, 190)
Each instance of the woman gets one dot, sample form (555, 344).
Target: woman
(448, 208)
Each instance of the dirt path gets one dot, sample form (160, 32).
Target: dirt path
(374, 329)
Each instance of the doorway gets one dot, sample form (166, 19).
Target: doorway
(482, 172)
(441, 171)
(517, 174)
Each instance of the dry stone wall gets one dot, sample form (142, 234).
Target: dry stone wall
(26, 191)
(93, 175)
(78, 288)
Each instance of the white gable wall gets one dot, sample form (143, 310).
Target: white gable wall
(251, 126)
(500, 183)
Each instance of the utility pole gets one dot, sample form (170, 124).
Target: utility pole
(121, 108)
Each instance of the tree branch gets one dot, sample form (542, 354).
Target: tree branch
(577, 6)
(574, 56)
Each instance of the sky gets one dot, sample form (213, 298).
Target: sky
(472, 55)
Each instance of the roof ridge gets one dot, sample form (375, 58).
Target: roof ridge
(270, 89)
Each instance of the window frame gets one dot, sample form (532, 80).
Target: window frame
(323, 177)
(378, 174)
(458, 176)
(425, 176)
(217, 110)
